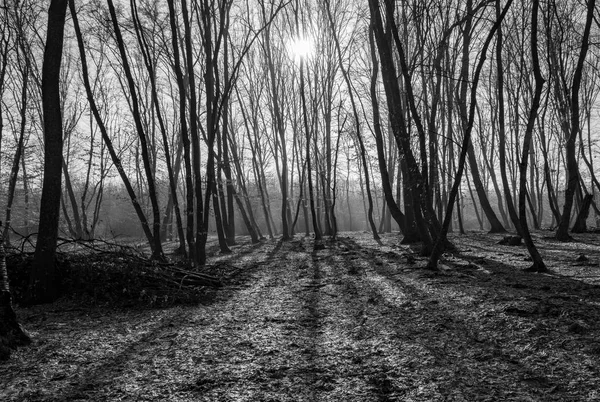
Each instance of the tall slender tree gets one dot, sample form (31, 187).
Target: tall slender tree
(562, 232)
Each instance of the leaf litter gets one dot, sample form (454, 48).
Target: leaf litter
(351, 321)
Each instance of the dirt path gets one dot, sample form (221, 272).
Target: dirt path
(352, 322)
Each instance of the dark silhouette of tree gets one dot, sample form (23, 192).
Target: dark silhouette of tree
(538, 263)
(156, 245)
(562, 232)
(103, 130)
(42, 287)
(466, 143)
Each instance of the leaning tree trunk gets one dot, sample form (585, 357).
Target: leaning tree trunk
(11, 332)
(173, 198)
(385, 176)
(116, 160)
(157, 252)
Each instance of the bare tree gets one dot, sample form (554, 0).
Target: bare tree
(466, 143)
(357, 122)
(157, 252)
(42, 286)
(538, 263)
(103, 129)
(570, 146)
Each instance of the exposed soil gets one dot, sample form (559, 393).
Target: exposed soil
(354, 321)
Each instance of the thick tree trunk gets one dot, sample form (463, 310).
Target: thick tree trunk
(420, 176)
(580, 225)
(12, 334)
(385, 176)
(229, 183)
(398, 122)
(410, 232)
(42, 287)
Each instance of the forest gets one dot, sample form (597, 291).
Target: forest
(299, 200)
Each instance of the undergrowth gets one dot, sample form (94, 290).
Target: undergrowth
(116, 278)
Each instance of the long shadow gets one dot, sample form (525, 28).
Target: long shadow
(428, 324)
(117, 364)
(323, 376)
(93, 380)
(311, 324)
(217, 380)
(488, 273)
(540, 295)
(245, 274)
(111, 367)
(252, 248)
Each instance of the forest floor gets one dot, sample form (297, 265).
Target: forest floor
(354, 321)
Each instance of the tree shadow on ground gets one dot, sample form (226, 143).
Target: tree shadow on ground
(472, 329)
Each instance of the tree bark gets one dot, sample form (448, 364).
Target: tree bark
(397, 120)
(580, 225)
(42, 286)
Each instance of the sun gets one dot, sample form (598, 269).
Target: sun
(300, 48)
